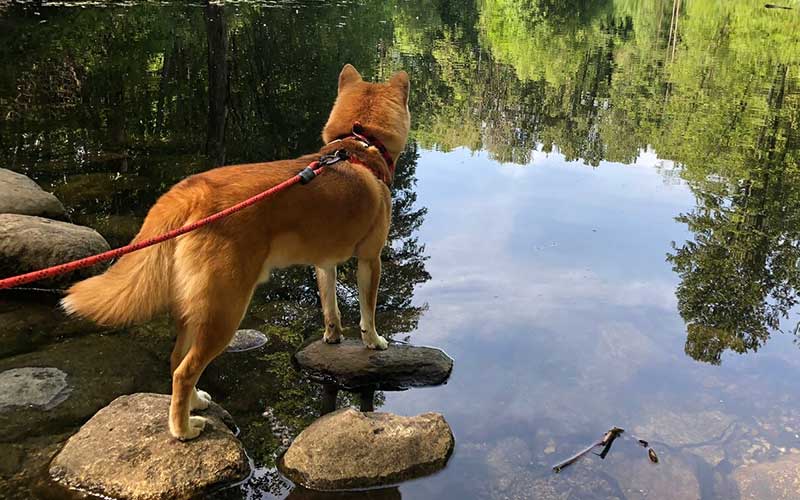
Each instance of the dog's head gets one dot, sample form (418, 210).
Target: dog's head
(382, 108)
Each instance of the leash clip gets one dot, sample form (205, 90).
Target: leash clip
(335, 157)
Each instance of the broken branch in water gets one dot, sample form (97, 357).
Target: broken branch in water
(606, 441)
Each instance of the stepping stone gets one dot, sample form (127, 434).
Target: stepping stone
(126, 451)
(349, 449)
(246, 340)
(350, 366)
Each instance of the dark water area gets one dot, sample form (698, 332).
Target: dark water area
(597, 216)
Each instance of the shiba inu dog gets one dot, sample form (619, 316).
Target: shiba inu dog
(206, 278)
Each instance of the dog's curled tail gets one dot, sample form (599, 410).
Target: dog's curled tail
(138, 286)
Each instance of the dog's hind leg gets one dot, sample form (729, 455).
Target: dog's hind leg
(369, 277)
(212, 334)
(326, 280)
(185, 337)
(213, 298)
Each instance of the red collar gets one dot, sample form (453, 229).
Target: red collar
(359, 134)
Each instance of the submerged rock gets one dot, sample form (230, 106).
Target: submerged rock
(33, 387)
(126, 451)
(348, 449)
(98, 369)
(779, 480)
(349, 365)
(31, 243)
(246, 340)
(25, 325)
(679, 429)
(21, 195)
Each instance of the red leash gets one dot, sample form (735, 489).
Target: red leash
(304, 176)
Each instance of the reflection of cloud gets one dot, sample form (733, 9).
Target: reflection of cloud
(516, 244)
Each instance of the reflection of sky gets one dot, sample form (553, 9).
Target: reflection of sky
(550, 290)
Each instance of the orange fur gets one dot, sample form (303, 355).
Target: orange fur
(206, 278)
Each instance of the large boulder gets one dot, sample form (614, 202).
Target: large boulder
(31, 243)
(20, 195)
(126, 451)
(349, 449)
(350, 365)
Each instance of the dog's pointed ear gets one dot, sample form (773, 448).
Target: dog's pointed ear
(348, 75)
(400, 81)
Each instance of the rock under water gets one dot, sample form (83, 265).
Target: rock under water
(126, 451)
(40, 387)
(349, 449)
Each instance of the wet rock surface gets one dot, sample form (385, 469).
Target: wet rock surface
(21, 195)
(141, 460)
(98, 369)
(32, 387)
(350, 365)
(25, 325)
(246, 340)
(31, 243)
(348, 449)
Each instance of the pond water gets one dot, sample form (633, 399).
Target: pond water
(597, 216)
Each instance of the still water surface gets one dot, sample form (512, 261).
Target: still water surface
(597, 217)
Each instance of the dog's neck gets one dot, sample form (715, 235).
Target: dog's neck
(366, 156)
(367, 150)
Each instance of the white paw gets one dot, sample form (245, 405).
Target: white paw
(200, 399)
(195, 427)
(332, 339)
(378, 343)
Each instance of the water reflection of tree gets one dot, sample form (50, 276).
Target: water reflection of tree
(740, 275)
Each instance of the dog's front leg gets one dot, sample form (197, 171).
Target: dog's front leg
(369, 276)
(326, 280)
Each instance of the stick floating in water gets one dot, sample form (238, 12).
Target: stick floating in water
(606, 441)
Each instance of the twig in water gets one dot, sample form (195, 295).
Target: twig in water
(606, 441)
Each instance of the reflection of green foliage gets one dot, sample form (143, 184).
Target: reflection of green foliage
(719, 96)
(539, 39)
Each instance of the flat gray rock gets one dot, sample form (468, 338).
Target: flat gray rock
(126, 451)
(33, 387)
(31, 243)
(20, 195)
(351, 366)
(246, 340)
(348, 449)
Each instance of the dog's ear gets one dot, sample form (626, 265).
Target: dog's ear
(401, 82)
(348, 75)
